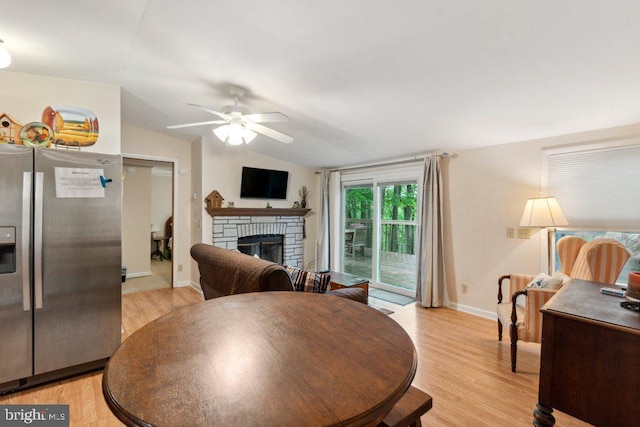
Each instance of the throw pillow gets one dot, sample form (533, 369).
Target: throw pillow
(544, 281)
(308, 281)
(563, 277)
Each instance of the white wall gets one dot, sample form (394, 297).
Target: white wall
(25, 96)
(161, 199)
(222, 171)
(487, 191)
(196, 204)
(136, 204)
(145, 143)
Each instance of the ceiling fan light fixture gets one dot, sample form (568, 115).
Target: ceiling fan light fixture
(234, 134)
(235, 128)
(222, 132)
(234, 139)
(5, 58)
(238, 124)
(248, 135)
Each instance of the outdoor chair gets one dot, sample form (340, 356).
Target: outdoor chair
(355, 238)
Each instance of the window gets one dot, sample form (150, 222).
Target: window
(631, 241)
(597, 189)
(599, 192)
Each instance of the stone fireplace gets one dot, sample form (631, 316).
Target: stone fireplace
(258, 225)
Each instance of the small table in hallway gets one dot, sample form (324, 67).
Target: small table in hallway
(265, 358)
(159, 243)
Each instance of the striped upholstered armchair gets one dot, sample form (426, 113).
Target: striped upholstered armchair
(600, 260)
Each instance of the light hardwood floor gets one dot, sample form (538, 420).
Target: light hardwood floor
(160, 278)
(461, 365)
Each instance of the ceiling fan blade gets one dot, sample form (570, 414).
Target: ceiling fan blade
(188, 125)
(208, 110)
(278, 136)
(267, 117)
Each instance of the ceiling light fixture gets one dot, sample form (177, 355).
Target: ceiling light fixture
(234, 133)
(5, 58)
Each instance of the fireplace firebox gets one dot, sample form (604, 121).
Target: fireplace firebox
(267, 246)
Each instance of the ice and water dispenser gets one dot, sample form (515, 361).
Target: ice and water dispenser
(7, 250)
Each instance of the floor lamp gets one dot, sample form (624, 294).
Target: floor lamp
(544, 212)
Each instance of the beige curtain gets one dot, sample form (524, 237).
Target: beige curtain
(431, 288)
(322, 250)
(335, 222)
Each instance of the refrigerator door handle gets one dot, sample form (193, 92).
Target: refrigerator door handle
(26, 229)
(37, 238)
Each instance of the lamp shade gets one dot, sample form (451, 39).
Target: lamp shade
(542, 212)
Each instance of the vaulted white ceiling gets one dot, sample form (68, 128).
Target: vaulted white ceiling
(361, 80)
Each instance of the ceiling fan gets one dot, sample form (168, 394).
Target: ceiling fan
(238, 124)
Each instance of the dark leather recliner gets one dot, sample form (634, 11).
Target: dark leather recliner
(224, 272)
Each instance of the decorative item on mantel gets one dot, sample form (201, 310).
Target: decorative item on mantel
(231, 204)
(296, 205)
(304, 194)
(214, 200)
(269, 206)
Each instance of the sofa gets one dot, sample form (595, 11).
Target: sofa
(226, 272)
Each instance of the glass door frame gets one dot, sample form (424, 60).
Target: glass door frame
(374, 177)
(361, 183)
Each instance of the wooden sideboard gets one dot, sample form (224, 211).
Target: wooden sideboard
(590, 358)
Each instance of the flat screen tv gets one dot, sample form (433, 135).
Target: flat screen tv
(263, 184)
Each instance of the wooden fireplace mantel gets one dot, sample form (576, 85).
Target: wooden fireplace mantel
(257, 211)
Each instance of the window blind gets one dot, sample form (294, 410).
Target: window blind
(597, 189)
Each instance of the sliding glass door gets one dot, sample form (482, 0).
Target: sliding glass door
(397, 266)
(381, 230)
(358, 230)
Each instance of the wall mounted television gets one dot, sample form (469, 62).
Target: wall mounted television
(263, 183)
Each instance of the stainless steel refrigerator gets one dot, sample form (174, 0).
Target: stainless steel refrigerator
(60, 262)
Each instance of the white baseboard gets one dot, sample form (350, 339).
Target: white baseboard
(182, 284)
(141, 274)
(473, 310)
(196, 286)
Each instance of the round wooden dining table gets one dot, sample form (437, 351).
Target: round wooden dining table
(262, 359)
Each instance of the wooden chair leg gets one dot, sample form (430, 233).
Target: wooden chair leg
(514, 346)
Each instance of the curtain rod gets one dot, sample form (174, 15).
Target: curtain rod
(392, 162)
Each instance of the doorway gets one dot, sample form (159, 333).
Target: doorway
(148, 204)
